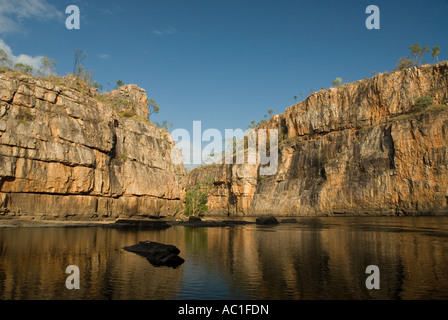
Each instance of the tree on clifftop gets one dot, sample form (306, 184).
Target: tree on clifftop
(435, 53)
(119, 84)
(153, 107)
(417, 52)
(48, 66)
(22, 67)
(79, 56)
(4, 61)
(80, 72)
(337, 82)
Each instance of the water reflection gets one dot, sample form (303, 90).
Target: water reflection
(316, 258)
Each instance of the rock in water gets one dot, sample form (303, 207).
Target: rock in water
(145, 248)
(139, 224)
(266, 221)
(158, 254)
(165, 259)
(288, 221)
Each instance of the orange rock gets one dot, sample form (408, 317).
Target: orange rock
(64, 153)
(356, 149)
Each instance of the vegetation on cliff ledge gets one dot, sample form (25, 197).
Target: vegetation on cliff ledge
(82, 81)
(196, 197)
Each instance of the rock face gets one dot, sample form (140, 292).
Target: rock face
(361, 148)
(69, 152)
(356, 149)
(134, 98)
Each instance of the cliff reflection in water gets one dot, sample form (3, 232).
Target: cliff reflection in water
(317, 258)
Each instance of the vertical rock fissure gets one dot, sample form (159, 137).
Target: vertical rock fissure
(389, 144)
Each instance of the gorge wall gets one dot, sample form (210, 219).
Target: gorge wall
(68, 152)
(357, 149)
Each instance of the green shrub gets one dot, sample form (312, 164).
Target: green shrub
(126, 113)
(5, 63)
(337, 82)
(197, 197)
(22, 67)
(421, 103)
(196, 201)
(404, 63)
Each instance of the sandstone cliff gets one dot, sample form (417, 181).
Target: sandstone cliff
(66, 151)
(360, 148)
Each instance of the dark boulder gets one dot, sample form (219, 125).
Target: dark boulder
(158, 254)
(288, 220)
(139, 224)
(266, 221)
(210, 224)
(144, 248)
(194, 219)
(165, 259)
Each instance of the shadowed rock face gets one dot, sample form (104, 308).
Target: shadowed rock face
(67, 152)
(356, 149)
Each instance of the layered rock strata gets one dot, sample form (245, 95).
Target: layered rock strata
(358, 149)
(66, 151)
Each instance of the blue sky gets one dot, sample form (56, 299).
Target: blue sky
(224, 62)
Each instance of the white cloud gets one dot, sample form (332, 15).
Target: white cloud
(165, 31)
(35, 62)
(104, 56)
(7, 25)
(12, 13)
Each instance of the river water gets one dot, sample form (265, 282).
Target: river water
(315, 258)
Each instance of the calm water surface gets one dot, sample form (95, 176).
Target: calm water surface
(315, 258)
